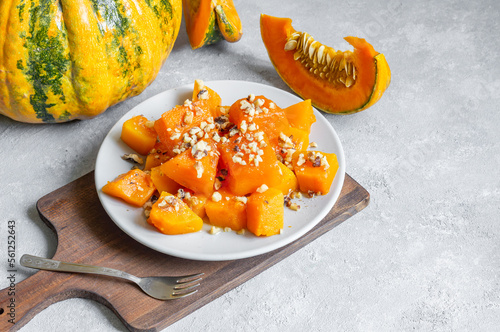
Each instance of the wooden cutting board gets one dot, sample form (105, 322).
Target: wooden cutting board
(87, 235)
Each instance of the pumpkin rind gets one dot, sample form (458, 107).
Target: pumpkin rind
(369, 68)
(66, 60)
(210, 21)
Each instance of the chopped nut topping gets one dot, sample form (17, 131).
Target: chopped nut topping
(233, 131)
(317, 162)
(243, 126)
(294, 207)
(259, 102)
(216, 196)
(215, 230)
(188, 103)
(170, 202)
(175, 136)
(301, 160)
(311, 193)
(262, 188)
(217, 183)
(198, 166)
(132, 157)
(181, 193)
(241, 199)
(203, 94)
(200, 150)
(188, 117)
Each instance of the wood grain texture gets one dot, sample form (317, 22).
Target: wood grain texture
(87, 235)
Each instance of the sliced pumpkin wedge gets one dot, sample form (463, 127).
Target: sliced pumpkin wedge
(341, 82)
(209, 21)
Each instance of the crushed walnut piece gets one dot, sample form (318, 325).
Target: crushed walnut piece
(134, 158)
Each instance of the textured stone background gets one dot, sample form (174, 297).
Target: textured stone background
(424, 255)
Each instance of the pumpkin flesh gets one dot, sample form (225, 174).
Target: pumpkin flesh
(335, 81)
(171, 216)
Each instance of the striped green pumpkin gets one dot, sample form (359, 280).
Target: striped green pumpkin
(62, 60)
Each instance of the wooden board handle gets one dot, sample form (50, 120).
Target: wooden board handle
(19, 303)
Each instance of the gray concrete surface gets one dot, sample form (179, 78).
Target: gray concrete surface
(424, 255)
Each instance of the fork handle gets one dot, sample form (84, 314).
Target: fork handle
(53, 265)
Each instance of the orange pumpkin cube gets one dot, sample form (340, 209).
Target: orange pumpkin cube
(157, 156)
(195, 168)
(206, 98)
(195, 202)
(288, 181)
(315, 171)
(262, 112)
(301, 115)
(221, 110)
(182, 122)
(289, 141)
(265, 212)
(250, 162)
(227, 210)
(134, 187)
(139, 134)
(162, 182)
(171, 216)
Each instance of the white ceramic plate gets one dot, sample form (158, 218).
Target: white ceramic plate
(224, 245)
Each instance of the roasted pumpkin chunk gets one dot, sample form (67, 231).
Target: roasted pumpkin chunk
(195, 202)
(206, 98)
(289, 141)
(225, 209)
(134, 187)
(171, 216)
(315, 171)
(138, 133)
(181, 123)
(250, 162)
(157, 156)
(260, 112)
(195, 168)
(288, 181)
(162, 182)
(301, 115)
(265, 212)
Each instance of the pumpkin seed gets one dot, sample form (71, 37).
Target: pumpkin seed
(349, 81)
(320, 54)
(312, 49)
(336, 67)
(342, 64)
(328, 58)
(290, 45)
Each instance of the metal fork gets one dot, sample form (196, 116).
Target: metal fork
(162, 288)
